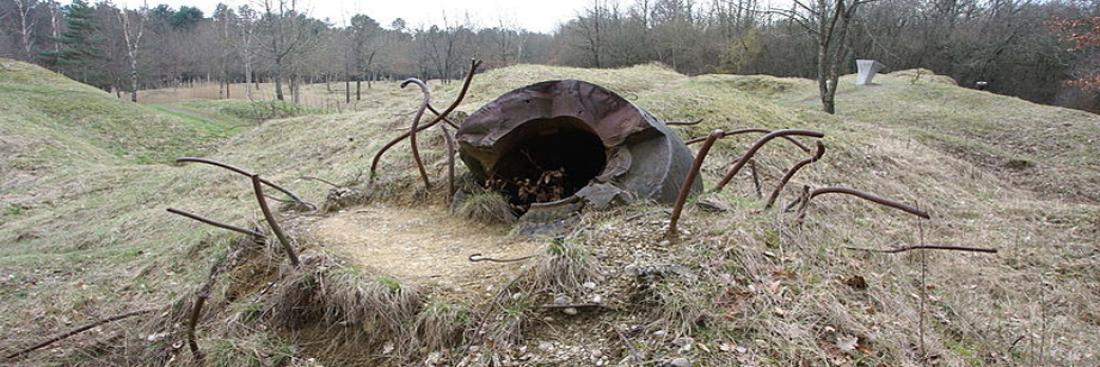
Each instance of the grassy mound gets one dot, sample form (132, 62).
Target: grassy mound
(745, 286)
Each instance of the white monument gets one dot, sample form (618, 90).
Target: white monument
(867, 70)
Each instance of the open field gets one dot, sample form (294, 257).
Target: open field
(86, 179)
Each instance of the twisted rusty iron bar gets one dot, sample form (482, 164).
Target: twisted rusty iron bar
(78, 330)
(755, 178)
(479, 258)
(926, 247)
(461, 94)
(752, 130)
(791, 172)
(445, 118)
(760, 143)
(216, 223)
(450, 163)
(685, 123)
(685, 188)
(245, 173)
(862, 195)
(196, 310)
(290, 253)
(416, 121)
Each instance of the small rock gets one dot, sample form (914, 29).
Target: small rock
(546, 346)
(679, 362)
(597, 299)
(660, 333)
(589, 285)
(569, 311)
(685, 343)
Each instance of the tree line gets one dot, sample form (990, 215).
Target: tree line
(1025, 48)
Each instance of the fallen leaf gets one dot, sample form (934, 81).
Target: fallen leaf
(856, 282)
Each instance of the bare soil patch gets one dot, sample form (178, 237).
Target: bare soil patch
(424, 245)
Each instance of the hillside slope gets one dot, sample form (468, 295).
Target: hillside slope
(1051, 150)
(761, 290)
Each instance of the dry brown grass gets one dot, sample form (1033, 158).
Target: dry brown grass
(758, 290)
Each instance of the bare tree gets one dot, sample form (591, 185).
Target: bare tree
(588, 25)
(827, 21)
(246, 46)
(26, 25)
(288, 30)
(132, 34)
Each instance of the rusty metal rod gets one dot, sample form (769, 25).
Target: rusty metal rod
(245, 173)
(685, 188)
(461, 94)
(752, 130)
(760, 143)
(445, 118)
(290, 253)
(862, 195)
(78, 330)
(755, 179)
(685, 123)
(196, 310)
(791, 172)
(927, 247)
(416, 121)
(478, 257)
(450, 162)
(216, 223)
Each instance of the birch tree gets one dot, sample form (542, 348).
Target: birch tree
(132, 34)
(26, 25)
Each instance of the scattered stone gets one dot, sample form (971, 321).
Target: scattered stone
(685, 343)
(546, 346)
(679, 362)
(589, 285)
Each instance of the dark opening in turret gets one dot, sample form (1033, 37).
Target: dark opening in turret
(547, 160)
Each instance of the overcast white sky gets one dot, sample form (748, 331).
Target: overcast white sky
(535, 15)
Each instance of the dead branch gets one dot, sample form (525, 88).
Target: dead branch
(290, 253)
(685, 123)
(474, 64)
(685, 188)
(216, 223)
(635, 356)
(321, 180)
(926, 247)
(554, 306)
(862, 195)
(752, 130)
(416, 121)
(791, 172)
(450, 163)
(760, 143)
(245, 173)
(78, 330)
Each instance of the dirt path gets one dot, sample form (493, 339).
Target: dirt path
(425, 245)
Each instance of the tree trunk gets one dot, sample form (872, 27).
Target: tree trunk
(294, 89)
(278, 75)
(358, 93)
(347, 90)
(133, 79)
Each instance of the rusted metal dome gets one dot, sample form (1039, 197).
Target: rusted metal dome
(594, 144)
